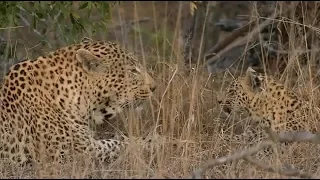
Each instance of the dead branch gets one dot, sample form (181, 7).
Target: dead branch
(229, 39)
(252, 36)
(290, 137)
(286, 171)
(234, 157)
(274, 138)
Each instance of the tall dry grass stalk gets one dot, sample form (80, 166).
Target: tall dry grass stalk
(183, 118)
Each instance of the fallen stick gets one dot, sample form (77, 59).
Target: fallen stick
(274, 138)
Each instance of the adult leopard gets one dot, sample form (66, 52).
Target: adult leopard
(47, 103)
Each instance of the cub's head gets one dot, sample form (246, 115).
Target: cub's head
(242, 90)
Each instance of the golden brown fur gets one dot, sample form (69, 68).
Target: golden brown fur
(48, 102)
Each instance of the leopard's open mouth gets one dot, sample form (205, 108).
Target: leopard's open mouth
(226, 109)
(225, 106)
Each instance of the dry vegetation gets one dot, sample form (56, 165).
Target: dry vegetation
(183, 118)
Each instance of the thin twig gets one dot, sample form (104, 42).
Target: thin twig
(15, 27)
(131, 23)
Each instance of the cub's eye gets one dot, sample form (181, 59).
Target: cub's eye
(135, 70)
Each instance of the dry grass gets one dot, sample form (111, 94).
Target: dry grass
(183, 117)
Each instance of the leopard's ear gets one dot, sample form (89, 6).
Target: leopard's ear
(253, 80)
(89, 62)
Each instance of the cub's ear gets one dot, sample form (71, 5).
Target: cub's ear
(89, 62)
(250, 74)
(253, 80)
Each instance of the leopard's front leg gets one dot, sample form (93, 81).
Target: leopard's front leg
(106, 150)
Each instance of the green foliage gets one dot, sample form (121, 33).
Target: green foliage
(62, 17)
(8, 11)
